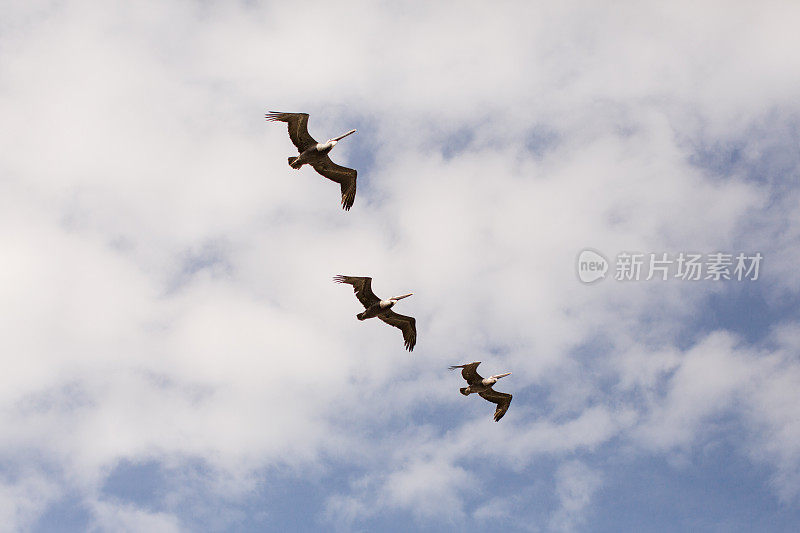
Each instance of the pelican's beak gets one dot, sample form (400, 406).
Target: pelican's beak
(503, 375)
(403, 296)
(340, 137)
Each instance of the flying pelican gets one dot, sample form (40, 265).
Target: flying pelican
(316, 154)
(375, 307)
(475, 383)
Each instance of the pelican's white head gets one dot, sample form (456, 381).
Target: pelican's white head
(492, 380)
(335, 140)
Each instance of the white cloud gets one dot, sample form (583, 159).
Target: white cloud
(718, 377)
(704, 384)
(24, 500)
(115, 517)
(575, 486)
(166, 282)
(429, 488)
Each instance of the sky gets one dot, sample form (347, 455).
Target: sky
(176, 356)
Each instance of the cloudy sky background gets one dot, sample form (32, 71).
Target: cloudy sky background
(176, 357)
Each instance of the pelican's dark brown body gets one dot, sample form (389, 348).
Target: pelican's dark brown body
(375, 309)
(314, 155)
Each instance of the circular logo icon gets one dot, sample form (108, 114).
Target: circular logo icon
(592, 266)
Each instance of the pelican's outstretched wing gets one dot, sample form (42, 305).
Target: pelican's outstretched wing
(469, 372)
(298, 128)
(362, 288)
(502, 399)
(346, 177)
(406, 324)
